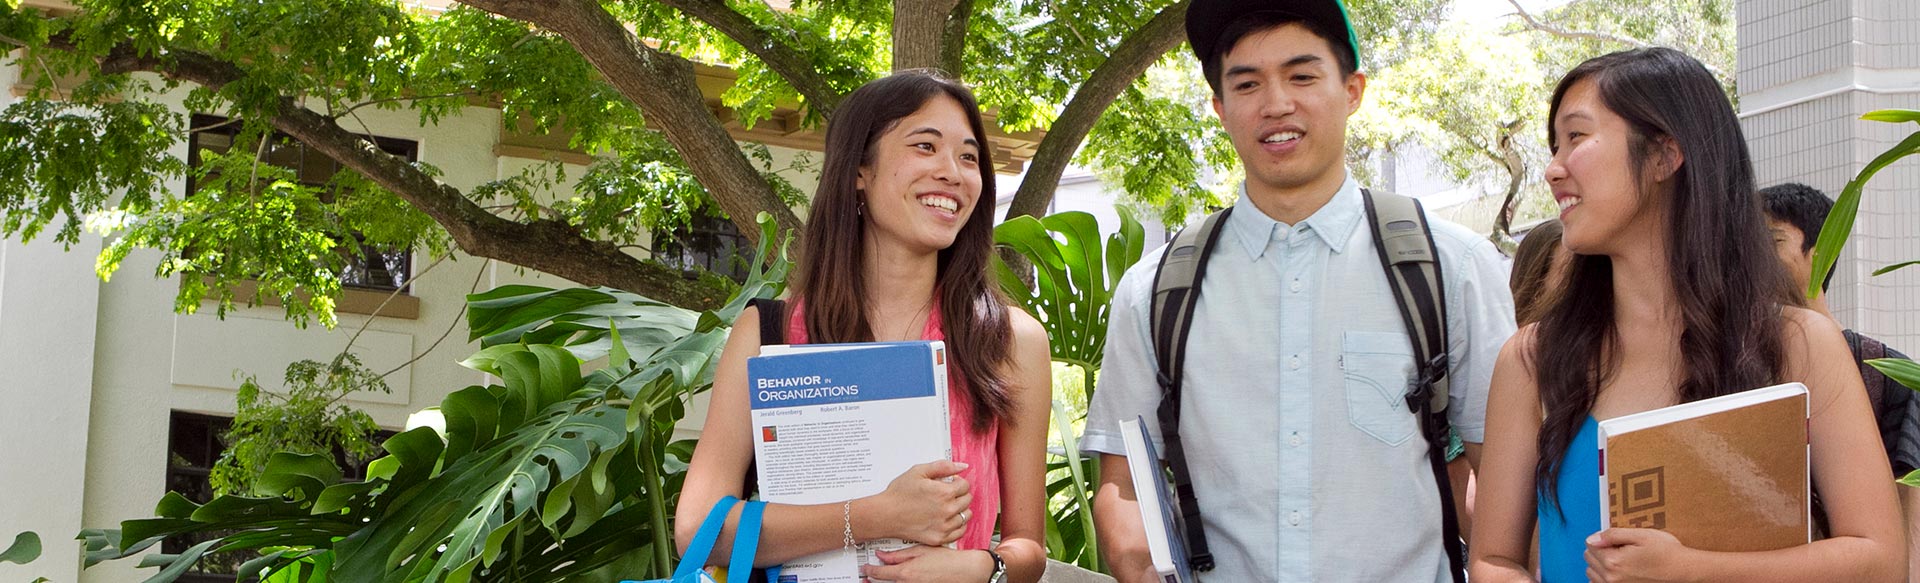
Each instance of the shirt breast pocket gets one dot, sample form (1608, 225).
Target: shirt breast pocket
(1377, 366)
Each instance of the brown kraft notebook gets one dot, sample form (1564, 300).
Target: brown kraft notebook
(1721, 474)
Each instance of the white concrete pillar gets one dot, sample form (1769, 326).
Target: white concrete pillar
(1808, 70)
(49, 300)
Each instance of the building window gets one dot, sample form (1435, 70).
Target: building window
(709, 243)
(368, 266)
(193, 446)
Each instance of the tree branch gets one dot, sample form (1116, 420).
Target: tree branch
(953, 40)
(546, 245)
(351, 108)
(662, 85)
(457, 319)
(919, 29)
(779, 55)
(1516, 174)
(1537, 25)
(1129, 60)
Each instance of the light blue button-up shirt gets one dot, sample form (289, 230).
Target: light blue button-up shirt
(1305, 460)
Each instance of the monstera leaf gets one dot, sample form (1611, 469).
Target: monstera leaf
(579, 319)
(481, 500)
(1074, 277)
(551, 475)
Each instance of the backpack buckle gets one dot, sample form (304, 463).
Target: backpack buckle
(1420, 394)
(1425, 377)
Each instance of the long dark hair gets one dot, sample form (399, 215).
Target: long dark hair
(1728, 286)
(827, 277)
(1532, 282)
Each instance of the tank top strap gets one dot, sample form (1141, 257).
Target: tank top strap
(1573, 514)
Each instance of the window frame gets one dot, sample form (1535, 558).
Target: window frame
(711, 243)
(361, 263)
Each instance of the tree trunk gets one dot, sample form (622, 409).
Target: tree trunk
(919, 29)
(1128, 62)
(1516, 175)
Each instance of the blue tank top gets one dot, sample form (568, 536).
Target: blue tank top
(1564, 532)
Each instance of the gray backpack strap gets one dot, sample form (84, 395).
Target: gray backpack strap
(1176, 290)
(1405, 242)
(1412, 264)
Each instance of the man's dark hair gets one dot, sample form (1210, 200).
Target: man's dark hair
(1264, 21)
(1802, 206)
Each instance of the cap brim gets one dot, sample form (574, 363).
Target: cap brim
(1206, 19)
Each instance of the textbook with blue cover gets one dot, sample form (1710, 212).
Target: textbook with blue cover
(1157, 515)
(834, 422)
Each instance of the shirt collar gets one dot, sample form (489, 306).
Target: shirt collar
(1333, 223)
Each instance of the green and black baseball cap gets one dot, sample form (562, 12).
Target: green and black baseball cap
(1206, 19)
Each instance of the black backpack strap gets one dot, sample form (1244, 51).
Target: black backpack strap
(773, 330)
(1176, 291)
(1412, 264)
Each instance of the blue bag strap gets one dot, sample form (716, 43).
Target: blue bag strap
(746, 541)
(702, 545)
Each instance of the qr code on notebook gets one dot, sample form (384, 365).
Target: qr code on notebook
(1639, 499)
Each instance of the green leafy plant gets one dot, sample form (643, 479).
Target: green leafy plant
(25, 548)
(1839, 225)
(1074, 276)
(308, 419)
(551, 475)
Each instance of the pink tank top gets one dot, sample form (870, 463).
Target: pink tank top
(979, 450)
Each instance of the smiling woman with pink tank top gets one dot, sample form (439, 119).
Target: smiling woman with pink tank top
(898, 247)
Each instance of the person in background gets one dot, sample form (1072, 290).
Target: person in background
(898, 248)
(1538, 265)
(1672, 296)
(1795, 213)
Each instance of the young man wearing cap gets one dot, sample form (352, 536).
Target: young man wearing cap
(1305, 461)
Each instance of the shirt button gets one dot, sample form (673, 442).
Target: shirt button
(1294, 287)
(1295, 440)
(1294, 518)
(1293, 362)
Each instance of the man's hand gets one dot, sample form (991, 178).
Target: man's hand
(1116, 519)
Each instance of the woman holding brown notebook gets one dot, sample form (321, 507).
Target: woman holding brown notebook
(1672, 296)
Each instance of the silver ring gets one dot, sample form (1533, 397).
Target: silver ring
(966, 515)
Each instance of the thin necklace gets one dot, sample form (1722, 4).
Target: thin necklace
(919, 319)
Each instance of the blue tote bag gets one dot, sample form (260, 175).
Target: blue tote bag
(746, 543)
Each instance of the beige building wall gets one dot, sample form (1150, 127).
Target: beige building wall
(1807, 70)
